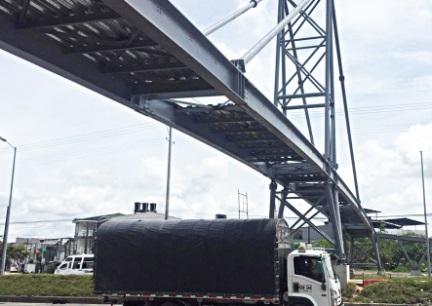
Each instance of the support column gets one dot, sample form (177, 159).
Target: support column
(343, 271)
(339, 222)
(335, 222)
(351, 250)
(273, 188)
(377, 253)
(284, 195)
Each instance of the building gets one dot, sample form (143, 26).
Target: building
(86, 228)
(85, 232)
(41, 251)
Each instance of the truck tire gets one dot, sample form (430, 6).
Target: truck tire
(170, 303)
(133, 303)
(300, 302)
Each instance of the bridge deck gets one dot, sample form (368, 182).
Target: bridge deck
(142, 53)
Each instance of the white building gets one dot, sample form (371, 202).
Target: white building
(86, 228)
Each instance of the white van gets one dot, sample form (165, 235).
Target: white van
(76, 264)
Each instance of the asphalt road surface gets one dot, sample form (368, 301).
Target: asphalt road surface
(47, 304)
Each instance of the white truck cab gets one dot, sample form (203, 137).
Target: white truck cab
(311, 278)
(76, 264)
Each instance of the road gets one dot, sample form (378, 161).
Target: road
(46, 304)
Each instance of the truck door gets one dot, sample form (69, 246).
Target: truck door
(308, 280)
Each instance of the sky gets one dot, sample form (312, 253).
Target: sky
(80, 154)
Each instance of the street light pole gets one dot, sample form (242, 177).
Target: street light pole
(426, 223)
(168, 174)
(6, 229)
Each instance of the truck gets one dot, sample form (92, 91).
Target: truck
(210, 262)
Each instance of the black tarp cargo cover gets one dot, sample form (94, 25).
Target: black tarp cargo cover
(222, 256)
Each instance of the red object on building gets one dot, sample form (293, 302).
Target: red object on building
(372, 281)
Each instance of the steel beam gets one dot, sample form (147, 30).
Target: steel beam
(273, 187)
(402, 238)
(172, 89)
(167, 113)
(377, 252)
(284, 195)
(23, 13)
(113, 46)
(71, 20)
(304, 106)
(231, 17)
(301, 216)
(406, 255)
(145, 68)
(30, 46)
(304, 95)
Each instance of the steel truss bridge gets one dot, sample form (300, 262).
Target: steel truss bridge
(147, 56)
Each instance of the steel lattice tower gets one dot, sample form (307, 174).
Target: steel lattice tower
(307, 52)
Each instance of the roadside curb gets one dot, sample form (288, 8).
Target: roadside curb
(99, 300)
(53, 299)
(379, 304)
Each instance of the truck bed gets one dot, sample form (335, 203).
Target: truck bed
(195, 257)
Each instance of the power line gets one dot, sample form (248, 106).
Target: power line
(96, 152)
(406, 215)
(38, 221)
(84, 137)
(102, 150)
(368, 110)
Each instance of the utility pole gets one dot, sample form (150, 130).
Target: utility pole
(425, 217)
(243, 205)
(168, 173)
(6, 229)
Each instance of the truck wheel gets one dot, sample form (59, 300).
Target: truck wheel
(170, 304)
(133, 303)
(299, 302)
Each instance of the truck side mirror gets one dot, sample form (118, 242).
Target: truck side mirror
(320, 270)
(323, 286)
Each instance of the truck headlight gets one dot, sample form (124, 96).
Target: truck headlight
(334, 297)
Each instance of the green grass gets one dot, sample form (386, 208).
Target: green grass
(395, 290)
(369, 276)
(392, 290)
(46, 285)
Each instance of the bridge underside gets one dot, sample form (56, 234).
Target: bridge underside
(145, 54)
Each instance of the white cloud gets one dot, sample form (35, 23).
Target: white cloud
(423, 57)
(415, 139)
(390, 176)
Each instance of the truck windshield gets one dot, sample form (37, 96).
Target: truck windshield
(329, 267)
(309, 267)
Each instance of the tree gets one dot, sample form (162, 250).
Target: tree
(14, 252)
(323, 244)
